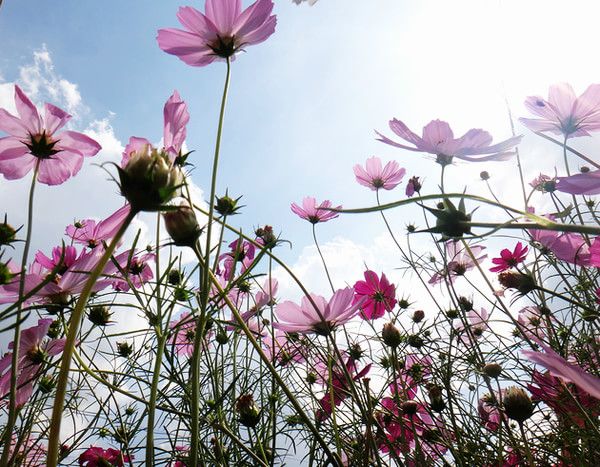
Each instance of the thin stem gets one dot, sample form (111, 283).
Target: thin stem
(314, 232)
(63, 377)
(12, 407)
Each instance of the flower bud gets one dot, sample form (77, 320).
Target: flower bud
(390, 335)
(227, 206)
(100, 315)
(485, 175)
(182, 226)
(149, 180)
(465, 304)
(266, 235)
(5, 275)
(436, 401)
(174, 277)
(517, 404)
(409, 407)
(493, 370)
(8, 234)
(247, 410)
(524, 283)
(584, 169)
(416, 341)
(418, 316)
(124, 349)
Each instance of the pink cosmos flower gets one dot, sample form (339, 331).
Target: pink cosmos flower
(377, 295)
(567, 246)
(222, 31)
(338, 390)
(563, 112)
(95, 456)
(413, 186)
(242, 252)
(458, 261)
(176, 117)
(544, 183)
(489, 412)
(91, 233)
(29, 453)
(34, 140)
(313, 213)
(580, 184)
(477, 322)
(533, 323)
(374, 176)
(137, 269)
(438, 139)
(509, 259)
(34, 351)
(183, 330)
(306, 319)
(561, 368)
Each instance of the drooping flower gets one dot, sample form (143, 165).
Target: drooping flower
(563, 112)
(222, 31)
(305, 318)
(509, 259)
(313, 213)
(458, 261)
(95, 456)
(35, 140)
(91, 233)
(438, 139)
(34, 351)
(375, 176)
(378, 295)
(413, 186)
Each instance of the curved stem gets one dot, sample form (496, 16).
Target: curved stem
(314, 232)
(12, 405)
(63, 377)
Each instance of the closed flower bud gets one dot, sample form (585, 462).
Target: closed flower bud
(247, 410)
(485, 175)
(493, 370)
(465, 304)
(46, 384)
(5, 275)
(124, 349)
(149, 180)
(174, 277)
(182, 226)
(418, 316)
(584, 169)
(100, 315)
(390, 335)
(416, 341)
(266, 235)
(409, 407)
(436, 401)
(524, 283)
(227, 206)
(403, 303)
(8, 234)
(517, 404)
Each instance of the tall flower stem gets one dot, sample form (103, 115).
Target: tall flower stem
(314, 232)
(204, 285)
(12, 404)
(76, 316)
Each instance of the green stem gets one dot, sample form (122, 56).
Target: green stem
(76, 316)
(314, 232)
(12, 404)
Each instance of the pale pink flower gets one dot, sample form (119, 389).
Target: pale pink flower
(561, 368)
(29, 452)
(184, 330)
(136, 267)
(239, 252)
(222, 31)
(563, 112)
(458, 261)
(91, 233)
(566, 246)
(34, 351)
(313, 213)
(580, 184)
(305, 318)
(438, 139)
(374, 176)
(533, 324)
(477, 323)
(176, 117)
(34, 139)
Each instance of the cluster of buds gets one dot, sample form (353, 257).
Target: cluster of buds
(149, 180)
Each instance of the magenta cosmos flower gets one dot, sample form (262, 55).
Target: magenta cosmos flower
(563, 112)
(377, 295)
(313, 213)
(376, 176)
(34, 140)
(305, 318)
(219, 33)
(34, 351)
(438, 139)
(97, 457)
(509, 259)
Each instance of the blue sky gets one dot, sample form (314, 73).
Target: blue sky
(304, 104)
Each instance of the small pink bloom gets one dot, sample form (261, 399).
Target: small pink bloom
(184, 330)
(239, 252)
(374, 176)
(97, 457)
(34, 351)
(477, 322)
(222, 31)
(543, 183)
(176, 117)
(91, 233)
(413, 186)
(563, 112)
(305, 318)
(509, 259)
(34, 140)
(313, 213)
(489, 412)
(533, 323)
(377, 295)
(136, 267)
(458, 261)
(438, 139)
